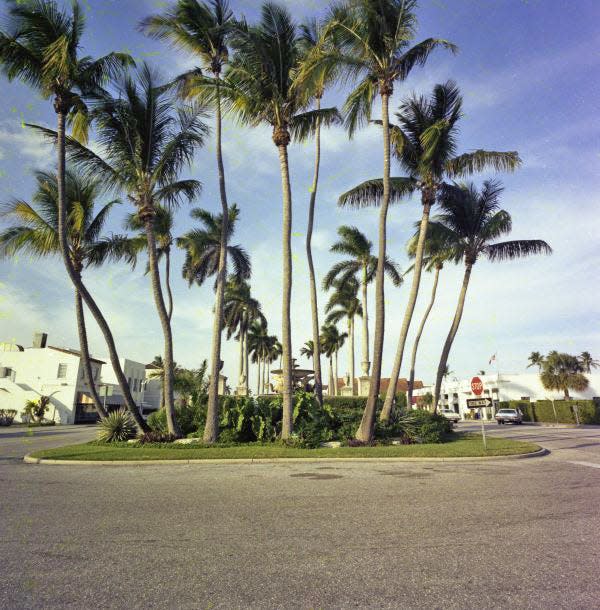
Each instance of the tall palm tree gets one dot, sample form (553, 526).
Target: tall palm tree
(331, 342)
(144, 146)
(202, 29)
(202, 248)
(373, 40)
(587, 362)
(424, 143)
(344, 303)
(262, 87)
(435, 255)
(470, 223)
(35, 232)
(536, 359)
(363, 264)
(311, 41)
(41, 47)
(274, 352)
(240, 310)
(563, 372)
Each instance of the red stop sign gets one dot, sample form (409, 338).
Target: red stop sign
(477, 386)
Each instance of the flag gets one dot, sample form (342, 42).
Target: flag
(492, 359)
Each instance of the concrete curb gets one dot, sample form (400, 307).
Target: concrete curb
(28, 459)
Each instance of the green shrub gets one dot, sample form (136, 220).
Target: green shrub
(191, 418)
(156, 437)
(542, 411)
(116, 426)
(7, 416)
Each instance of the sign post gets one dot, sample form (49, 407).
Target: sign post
(477, 403)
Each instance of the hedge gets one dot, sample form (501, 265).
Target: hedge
(542, 410)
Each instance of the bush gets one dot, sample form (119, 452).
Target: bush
(156, 437)
(191, 418)
(542, 411)
(116, 426)
(36, 409)
(7, 416)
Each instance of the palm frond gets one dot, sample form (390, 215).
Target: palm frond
(370, 192)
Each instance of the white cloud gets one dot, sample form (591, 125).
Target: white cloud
(24, 143)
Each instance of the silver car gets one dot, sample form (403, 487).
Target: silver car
(509, 416)
(451, 415)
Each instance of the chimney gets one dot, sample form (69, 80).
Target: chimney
(39, 340)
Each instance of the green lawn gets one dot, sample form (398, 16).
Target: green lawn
(462, 445)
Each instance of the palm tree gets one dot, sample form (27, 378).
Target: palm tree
(144, 147)
(362, 263)
(311, 41)
(41, 48)
(587, 362)
(536, 359)
(563, 372)
(157, 371)
(308, 350)
(331, 342)
(240, 309)
(202, 29)
(344, 303)
(470, 223)
(262, 87)
(35, 232)
(424, 143)
(435, 254)
(203, 248)
(372, 40)
(259, 342)
(274, 352)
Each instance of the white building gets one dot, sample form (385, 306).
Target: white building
(502, 387)
(56, 372)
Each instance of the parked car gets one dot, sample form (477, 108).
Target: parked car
(508, 416)
(451, 415)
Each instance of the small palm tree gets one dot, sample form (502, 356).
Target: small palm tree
(332, 341)
(308, 350)
(41, 47)
(262, 87)
(563, 372)
(344, 303)
(536, 359)
(363, 264)
(240, 310)
(203, 30)
(202, 248)
(259, 342)
(144, 147)
(435, 255)
(470, 223)
(372, 39)
(35, 232)
(587, 362)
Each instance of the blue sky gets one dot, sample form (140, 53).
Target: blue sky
(529, 72)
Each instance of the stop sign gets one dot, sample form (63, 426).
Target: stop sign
(477, 386)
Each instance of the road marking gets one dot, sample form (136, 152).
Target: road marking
(591, 464)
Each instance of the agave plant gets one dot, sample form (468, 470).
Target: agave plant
(116, 427)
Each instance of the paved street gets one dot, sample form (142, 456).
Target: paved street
(501, 534)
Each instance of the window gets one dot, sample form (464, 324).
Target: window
(96, 371)
(6, 372)
(62, 371)
(129, 383)
(526, 398)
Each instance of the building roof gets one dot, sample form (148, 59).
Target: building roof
(73, 352)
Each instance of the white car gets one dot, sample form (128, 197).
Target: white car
(451, 415)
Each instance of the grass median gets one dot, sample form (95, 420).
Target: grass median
(461, 445)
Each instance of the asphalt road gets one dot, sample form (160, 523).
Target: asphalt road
(501, 534)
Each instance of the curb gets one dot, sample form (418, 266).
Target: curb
(28, 459)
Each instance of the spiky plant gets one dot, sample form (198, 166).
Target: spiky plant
(117, 426)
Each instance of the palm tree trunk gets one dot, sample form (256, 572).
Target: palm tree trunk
(241, 377)
(211, 430)
(286, 330)
(258, 376)
(336, 373)
(331, 389)
(351, 352)
(168, 283)
(413, 359)
(267, 387)
(85, 356)
(246, 363)
(172, 425)
(367, 425)
(410, 308)
(449, 340)
(77, 282)
(365, 364)
(311, 268)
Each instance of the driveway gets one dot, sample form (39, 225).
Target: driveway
(498, 534)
